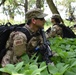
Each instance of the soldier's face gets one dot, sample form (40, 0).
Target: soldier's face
(53, 21)
(40, 22)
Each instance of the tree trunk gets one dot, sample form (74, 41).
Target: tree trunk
(26, 7)
(3, 1)
(53, 8)
(38, 4)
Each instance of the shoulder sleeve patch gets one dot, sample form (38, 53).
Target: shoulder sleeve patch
(18, 42)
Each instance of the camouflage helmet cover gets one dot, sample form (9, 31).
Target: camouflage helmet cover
(35, 13)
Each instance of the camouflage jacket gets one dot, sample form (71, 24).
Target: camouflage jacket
(18, 45)
(54, 31)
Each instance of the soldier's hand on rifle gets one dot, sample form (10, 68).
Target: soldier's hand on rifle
(41, 48)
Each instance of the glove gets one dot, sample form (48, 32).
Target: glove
(44, 50)
(41, 48)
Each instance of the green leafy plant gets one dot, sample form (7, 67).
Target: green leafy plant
(25, 68)
(64, 60)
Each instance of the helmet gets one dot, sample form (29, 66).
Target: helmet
(55, 16)
(35, 13)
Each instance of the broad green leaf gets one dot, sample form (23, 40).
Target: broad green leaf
(63, 69)
(28, 72)
(74, 64)
(25, 58)
(19, 66)
(42, 64)
(73, 69)
(52, 69)
(68, 47)
(45, 71)
(9, 68)
(37, 71)
(27, 66)
(33, 67)
(62, 46)
(59, 65)
(69, 73)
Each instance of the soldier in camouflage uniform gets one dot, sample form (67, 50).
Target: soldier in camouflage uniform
(17, 42)
(56, 30)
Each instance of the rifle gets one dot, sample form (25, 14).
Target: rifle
(48, 52)
(45, 50)
(48, 49)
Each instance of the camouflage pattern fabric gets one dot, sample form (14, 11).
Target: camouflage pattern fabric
(18, 46)
(17, 42)
(35, 13)
(54, 31)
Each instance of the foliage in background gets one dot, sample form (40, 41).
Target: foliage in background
(12, 8)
